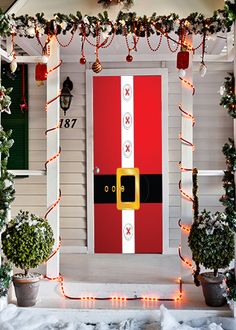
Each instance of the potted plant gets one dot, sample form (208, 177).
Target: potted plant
(212, 243)
(27, 242)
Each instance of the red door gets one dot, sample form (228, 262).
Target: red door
(128, 164)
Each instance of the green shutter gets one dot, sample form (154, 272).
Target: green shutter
(17, 121)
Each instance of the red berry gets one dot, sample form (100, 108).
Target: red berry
(129, 58)
(82, 60)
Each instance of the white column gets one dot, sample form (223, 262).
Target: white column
(53, 138)
(187, 161)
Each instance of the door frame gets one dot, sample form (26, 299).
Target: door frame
(163, 72)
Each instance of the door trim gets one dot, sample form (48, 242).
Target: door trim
(163, 72)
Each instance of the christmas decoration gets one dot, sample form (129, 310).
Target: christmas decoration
(187, 115)
(82, 58)
(145, 298)
(5, 100)
(195, 218)
(41, 73)
(181, 73)
(44, 58)
(194, 23)
(202, 69)
(97, 67)
(7, 191)
(228, 199)
(182, 60)
(230, 283)
(183, 55)
(129, 58)
(23, 104)
(228, 99)
(13, 64)
(51, 159)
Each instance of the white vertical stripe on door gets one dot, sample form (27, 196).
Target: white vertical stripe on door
(127, 156)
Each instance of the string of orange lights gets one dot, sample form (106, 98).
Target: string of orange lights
(122, 298)
(188, 84)
(184, 169)
(188, 116)
(185, 260)
(60, 278)
(51, 159)
(184, 228)
(186, 141)
(184, 194)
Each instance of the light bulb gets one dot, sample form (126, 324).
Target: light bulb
(181, 73)
(202, 69)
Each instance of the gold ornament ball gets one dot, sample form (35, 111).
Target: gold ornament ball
(97, 67)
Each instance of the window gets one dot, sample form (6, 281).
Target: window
(17, 120)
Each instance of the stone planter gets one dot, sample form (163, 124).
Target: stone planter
(26, 289)
(212, 290)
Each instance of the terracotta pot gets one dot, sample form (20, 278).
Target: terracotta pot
(26, 290)
(212, 290)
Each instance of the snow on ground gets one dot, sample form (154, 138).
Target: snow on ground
(14, 318)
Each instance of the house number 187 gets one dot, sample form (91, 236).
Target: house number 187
(67, 123)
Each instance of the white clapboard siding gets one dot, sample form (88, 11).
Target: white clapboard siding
(213, 127)
(31, 191)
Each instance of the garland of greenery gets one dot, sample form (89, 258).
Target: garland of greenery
(106, 3)
(195, 23)
(5, 278)
(195, 218)
(230, 282)
(228, 199)
(5, 100)
(195, 195)
(7, 190)
(228, 99)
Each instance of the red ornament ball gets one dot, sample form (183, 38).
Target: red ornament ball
(82, 60)
(129, 58)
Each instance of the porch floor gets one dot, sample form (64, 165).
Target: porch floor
(103, 275)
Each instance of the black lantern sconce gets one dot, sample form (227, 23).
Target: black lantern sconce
(66, 96)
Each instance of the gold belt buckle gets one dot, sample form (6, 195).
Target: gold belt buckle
(128, 205)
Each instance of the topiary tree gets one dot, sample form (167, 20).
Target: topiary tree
(27, 241)
(212, 241)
